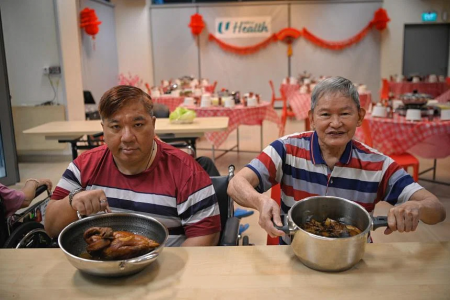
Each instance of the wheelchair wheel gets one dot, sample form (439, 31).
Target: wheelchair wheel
(28, 235)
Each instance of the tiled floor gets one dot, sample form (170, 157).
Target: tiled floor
(250, 140)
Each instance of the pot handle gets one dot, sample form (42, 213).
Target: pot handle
(288, 227)
(379, 222)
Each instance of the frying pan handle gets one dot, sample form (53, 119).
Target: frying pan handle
(80, 216)
(143, 260)
(379, 222)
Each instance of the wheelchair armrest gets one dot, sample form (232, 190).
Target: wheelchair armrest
(230, 233)
(40, 190)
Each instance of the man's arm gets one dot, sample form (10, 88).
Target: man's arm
(422, 205)
(242, 190)
(206, 240)
(58, 215)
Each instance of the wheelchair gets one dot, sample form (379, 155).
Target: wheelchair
(26, 229)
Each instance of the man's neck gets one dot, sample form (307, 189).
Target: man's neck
(331, 156)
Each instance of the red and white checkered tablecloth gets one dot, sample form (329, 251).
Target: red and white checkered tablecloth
(428, 139)
(301, 103)
(170, 101)
(432, 88)
(288, 89)
(239, 115)
(444, 98)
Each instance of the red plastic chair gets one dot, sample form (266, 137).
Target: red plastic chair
(274, 97)
(275, 194)
(404, 160)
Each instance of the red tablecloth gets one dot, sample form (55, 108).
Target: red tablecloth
(170, 101)
(432, 88)
(428, 139)
(288, 89)
(444, 98)
(301, 103)
(239, 115)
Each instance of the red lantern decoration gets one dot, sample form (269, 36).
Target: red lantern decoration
(380, 19)
(288, 35)
(89, 21)
(196, 24)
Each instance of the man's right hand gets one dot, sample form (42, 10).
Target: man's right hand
(90, 202)
(268, 211)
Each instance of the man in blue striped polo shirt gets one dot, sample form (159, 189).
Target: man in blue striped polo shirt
(328, 162)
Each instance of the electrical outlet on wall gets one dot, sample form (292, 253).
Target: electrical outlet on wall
(54, 70)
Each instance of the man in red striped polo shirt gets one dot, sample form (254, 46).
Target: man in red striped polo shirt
(328, 162)
(135, 172)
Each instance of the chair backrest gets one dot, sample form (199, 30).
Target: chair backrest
(160, 110)
(272, 88)
(226, 206)
(88, 98)
(3, 224)
(275, 194)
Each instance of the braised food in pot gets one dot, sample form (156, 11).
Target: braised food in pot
(330, 228)
(106, 244)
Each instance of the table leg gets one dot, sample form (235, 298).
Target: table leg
(434, 168)
(261, 132)
(237, 138)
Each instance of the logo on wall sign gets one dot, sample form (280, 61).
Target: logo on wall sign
(243, 27)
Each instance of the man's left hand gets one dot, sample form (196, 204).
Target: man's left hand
(404, 218)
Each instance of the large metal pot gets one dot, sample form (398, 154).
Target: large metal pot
(323, 253)
(72, 243)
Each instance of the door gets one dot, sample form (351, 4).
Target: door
(425, 49)
(9, 171)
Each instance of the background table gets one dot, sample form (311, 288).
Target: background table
(427, 139)
(72, 131)
(387, 271)
(238, 115)
(432, 88)
(444, 98)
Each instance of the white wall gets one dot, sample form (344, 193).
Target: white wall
(403, 12)
(133, 38)
(338, 21)
(30, 34)
(100, 69)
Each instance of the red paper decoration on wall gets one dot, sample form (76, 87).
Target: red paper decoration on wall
(243, 50)
(196, 24)
(380, 19)
(288, 35)
(89, 21)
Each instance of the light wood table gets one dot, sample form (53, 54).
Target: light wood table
(72, 131)
(388, 271)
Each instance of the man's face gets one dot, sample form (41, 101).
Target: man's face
(129, 134)
(335, 119)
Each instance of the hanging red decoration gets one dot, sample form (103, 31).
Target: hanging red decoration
(196, 24)
(336, 45)
(243, 50)
(380, 19)
(89, 21)
(288, 35)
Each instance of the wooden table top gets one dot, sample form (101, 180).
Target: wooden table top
(163, 125)
(388, 271)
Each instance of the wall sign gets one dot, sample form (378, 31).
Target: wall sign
(430, 16)
(243, 27)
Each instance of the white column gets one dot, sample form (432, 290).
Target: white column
(134, 47)
(70, 41)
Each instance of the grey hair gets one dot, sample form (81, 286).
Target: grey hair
(335, 85)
